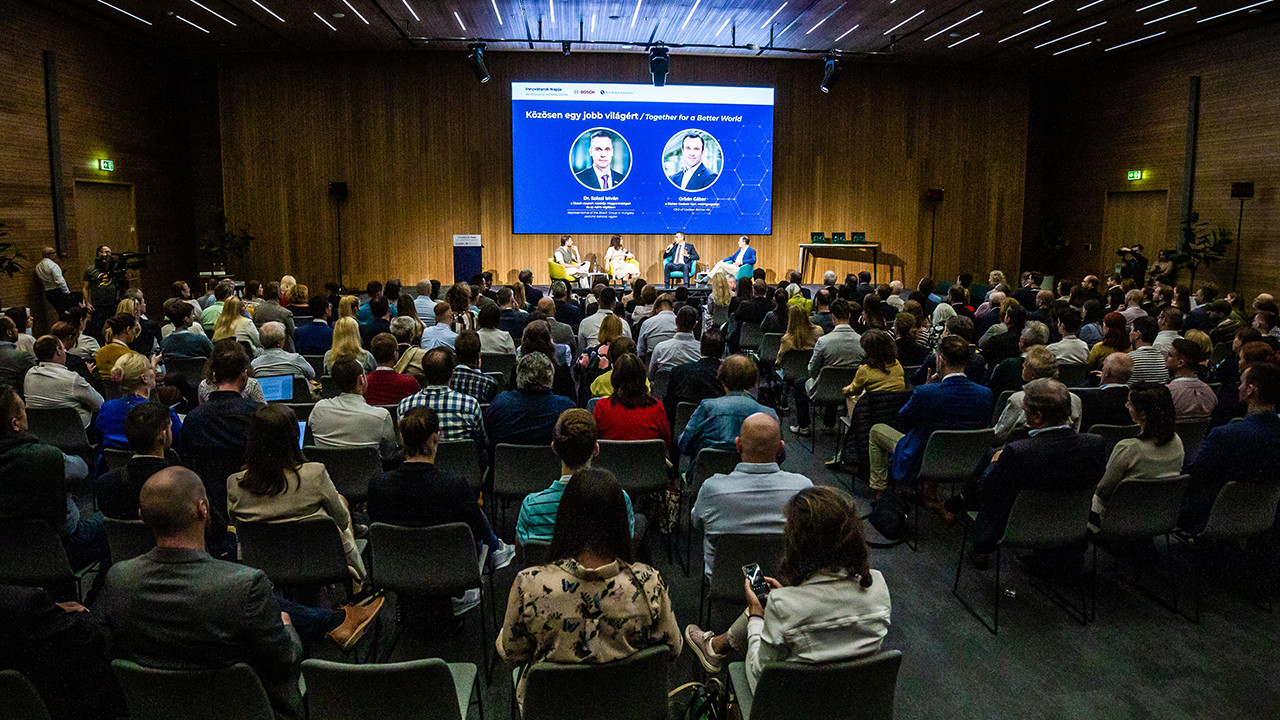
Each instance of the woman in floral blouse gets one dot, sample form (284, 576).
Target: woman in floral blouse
(592, 604)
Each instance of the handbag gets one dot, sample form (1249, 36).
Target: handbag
(696, 701)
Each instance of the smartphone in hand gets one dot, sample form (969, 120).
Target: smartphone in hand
(756, 578)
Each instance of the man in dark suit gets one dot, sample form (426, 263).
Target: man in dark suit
(692, 174)
(531, 294)
(178, 608)
(511, 318)
(1055, 457)
(600, 175)
(1026, 295)
(1005, 345)
(567, 311)
(1108, 404)
(975, 368)
(270, 310)
(682, 256)
(696, 381)
(953, 402)
(1244, 451)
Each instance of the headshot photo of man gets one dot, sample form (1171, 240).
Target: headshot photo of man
(608, 155)
(698, 154)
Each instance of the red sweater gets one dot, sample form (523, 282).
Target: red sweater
(614, 422)
(388, 387)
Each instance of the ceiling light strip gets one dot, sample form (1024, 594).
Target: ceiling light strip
(552, 4)
(1131, 42)
(353, 9)
(953, 25)
(636, 14)
(828, 17)
(326, 22)
(1073, 47)
(1166, 17)
(688, 17)
(457, 17)
(904, 22)
(1024, 32)
(264, 7)
(1086, 7)
(206, 32)
(413, 13)
(774, 15)
(846, 32)
(1212, 17)
(965, 40)
(499, 14)
(723, 25)
(1148, 7)
(126, 12)
(1072, 34)
(211, 12)
(1046, 2)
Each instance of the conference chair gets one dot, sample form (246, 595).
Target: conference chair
(1242, 511)
(394, 411)
(591, 404)
(532, 554)
(498, 378)
(1072, 374)
(828, 392)
(230, 693)
(304, 553)
(19, 699)
(519, 470)
(461, 459)
(684, 411)
(316, 362)
(301, 410)
(1138, 511)
(116, 458)
(693, 270)
(951, 457)
(750, 336)
(111, 390)
(862, 689)
(426, 689)
(1112, 434)
(746, 272)
(1001, 402)
(658, 383)
(504, 363)
(31, 555)
(127, 538)
(440, 562)
(351, 469)
(190, 368)
(1192, 433)
(873, 407)
(732, 551)
(329, 387)
(1039, 520)
(639, 465)
(634, 688)
(769, 344)
(559, 272)
(709, 461)
(795, 366)
(61, 428)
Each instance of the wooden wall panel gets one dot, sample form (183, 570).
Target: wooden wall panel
(426, 151)
(115, 101)
(1132, 116)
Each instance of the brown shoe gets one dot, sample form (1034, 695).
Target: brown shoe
(346, 635)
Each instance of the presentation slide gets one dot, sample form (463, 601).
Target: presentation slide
(612, 158)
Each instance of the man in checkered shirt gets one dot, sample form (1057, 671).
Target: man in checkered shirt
(459, 414)
(468, 378)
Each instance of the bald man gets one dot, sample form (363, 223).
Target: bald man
(176, 607)
(50, 275)
(1108, 405)
(750, 499)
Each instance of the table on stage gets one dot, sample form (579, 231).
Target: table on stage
(840, 252)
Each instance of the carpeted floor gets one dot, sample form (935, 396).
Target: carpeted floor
(1138, 660)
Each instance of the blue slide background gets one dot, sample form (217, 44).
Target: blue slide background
(544, 185)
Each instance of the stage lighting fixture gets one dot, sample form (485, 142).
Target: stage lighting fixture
(475, 58)
(830, 69)
(564, 47)
(659, 63)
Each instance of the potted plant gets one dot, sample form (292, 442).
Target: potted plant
(1200, 245)
(9, 256)
(225, 241)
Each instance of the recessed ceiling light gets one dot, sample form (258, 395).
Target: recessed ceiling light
(339, 15)
(953, 35)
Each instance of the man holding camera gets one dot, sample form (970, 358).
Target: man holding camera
(103, 288)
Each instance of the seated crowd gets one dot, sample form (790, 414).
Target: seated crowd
(192, 447)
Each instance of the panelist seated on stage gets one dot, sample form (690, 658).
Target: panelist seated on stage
(679, 256)
(692, 174)
(745, 255)
(567, 255)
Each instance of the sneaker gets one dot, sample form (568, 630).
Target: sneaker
(799, 431)
(469, 600)
(359, 615)
(699, 641)
(503, 555)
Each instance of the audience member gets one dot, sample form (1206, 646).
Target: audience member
(387, 386)
(661, 326)
(631, 413)
(512, 319)
(275, 360)
(137, 378)
(1156, 453)
(349, 420)
(1070, 350)
(1193, 399)
(271, 310)
(602, 385)
(537, 338)
(233, 324)
(215, 434)
(442, 333)
(567, 311)
(718, 420)
(880, 370)
(1115, 339)
(213, 310)
(839, 348)
(909, 351)
(1132, 308)
(1107, 406)
(149, 430)
(1169, 324)
(998, 347)
(50, 384)
(119, 330)
(975, 368)
(468, 377)
(1040, 363)
(829, 605)
(1008, 374)
(696, 381)
(494, 340)
(347, 346)
(589, 328)
(70, 336)
(526, 415)
(680, 348)
(821, 315)
(315, 337)
(775, 321)
(546, 620)
(184, 338)
(380, 323)
(1148, 362)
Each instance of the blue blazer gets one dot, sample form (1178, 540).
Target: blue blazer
(955, 403)
(702, 178)
(748, 258)
(1245, 451)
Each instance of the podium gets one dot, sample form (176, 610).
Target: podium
(467, 257)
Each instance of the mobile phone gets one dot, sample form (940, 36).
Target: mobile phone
(756, 578)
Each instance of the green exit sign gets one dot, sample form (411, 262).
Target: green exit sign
(109, 165)
(1135, 174)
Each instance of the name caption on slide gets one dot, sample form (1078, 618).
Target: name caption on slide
(623, 117)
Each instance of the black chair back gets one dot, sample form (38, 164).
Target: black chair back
(19, 699)
(127, 538)
(297, 553)
(635, 686)
(351, 469)
(230, 693)
(804, 690)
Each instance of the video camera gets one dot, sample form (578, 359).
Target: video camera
(121, 262)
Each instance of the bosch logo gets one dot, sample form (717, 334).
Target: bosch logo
(585, 92)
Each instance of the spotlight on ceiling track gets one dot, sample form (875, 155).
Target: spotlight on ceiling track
(830, 69)
(564, 47)
(659, 63)
(475, 58)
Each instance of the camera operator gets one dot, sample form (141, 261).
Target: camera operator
(104, 285)
(1133, 264)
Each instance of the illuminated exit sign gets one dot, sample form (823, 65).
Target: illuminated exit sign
(110, 165)
(1135, 174)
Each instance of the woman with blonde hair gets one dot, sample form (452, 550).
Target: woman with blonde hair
(119, 330)
(518, 300)
(287, 283)
(297, 298)
(348, 306)
(346, 345)
(801, 335)
(716, 313)
(137, 377)
(233, 324)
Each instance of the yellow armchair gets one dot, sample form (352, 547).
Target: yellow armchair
(559, 272)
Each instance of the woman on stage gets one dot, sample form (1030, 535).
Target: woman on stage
(621, 263)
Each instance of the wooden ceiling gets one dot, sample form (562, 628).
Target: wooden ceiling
(1041, 35)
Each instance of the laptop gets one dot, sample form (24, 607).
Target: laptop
(276, 388)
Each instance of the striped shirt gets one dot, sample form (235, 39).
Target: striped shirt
(459, 414)
(538, 513)
(1148, 366)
